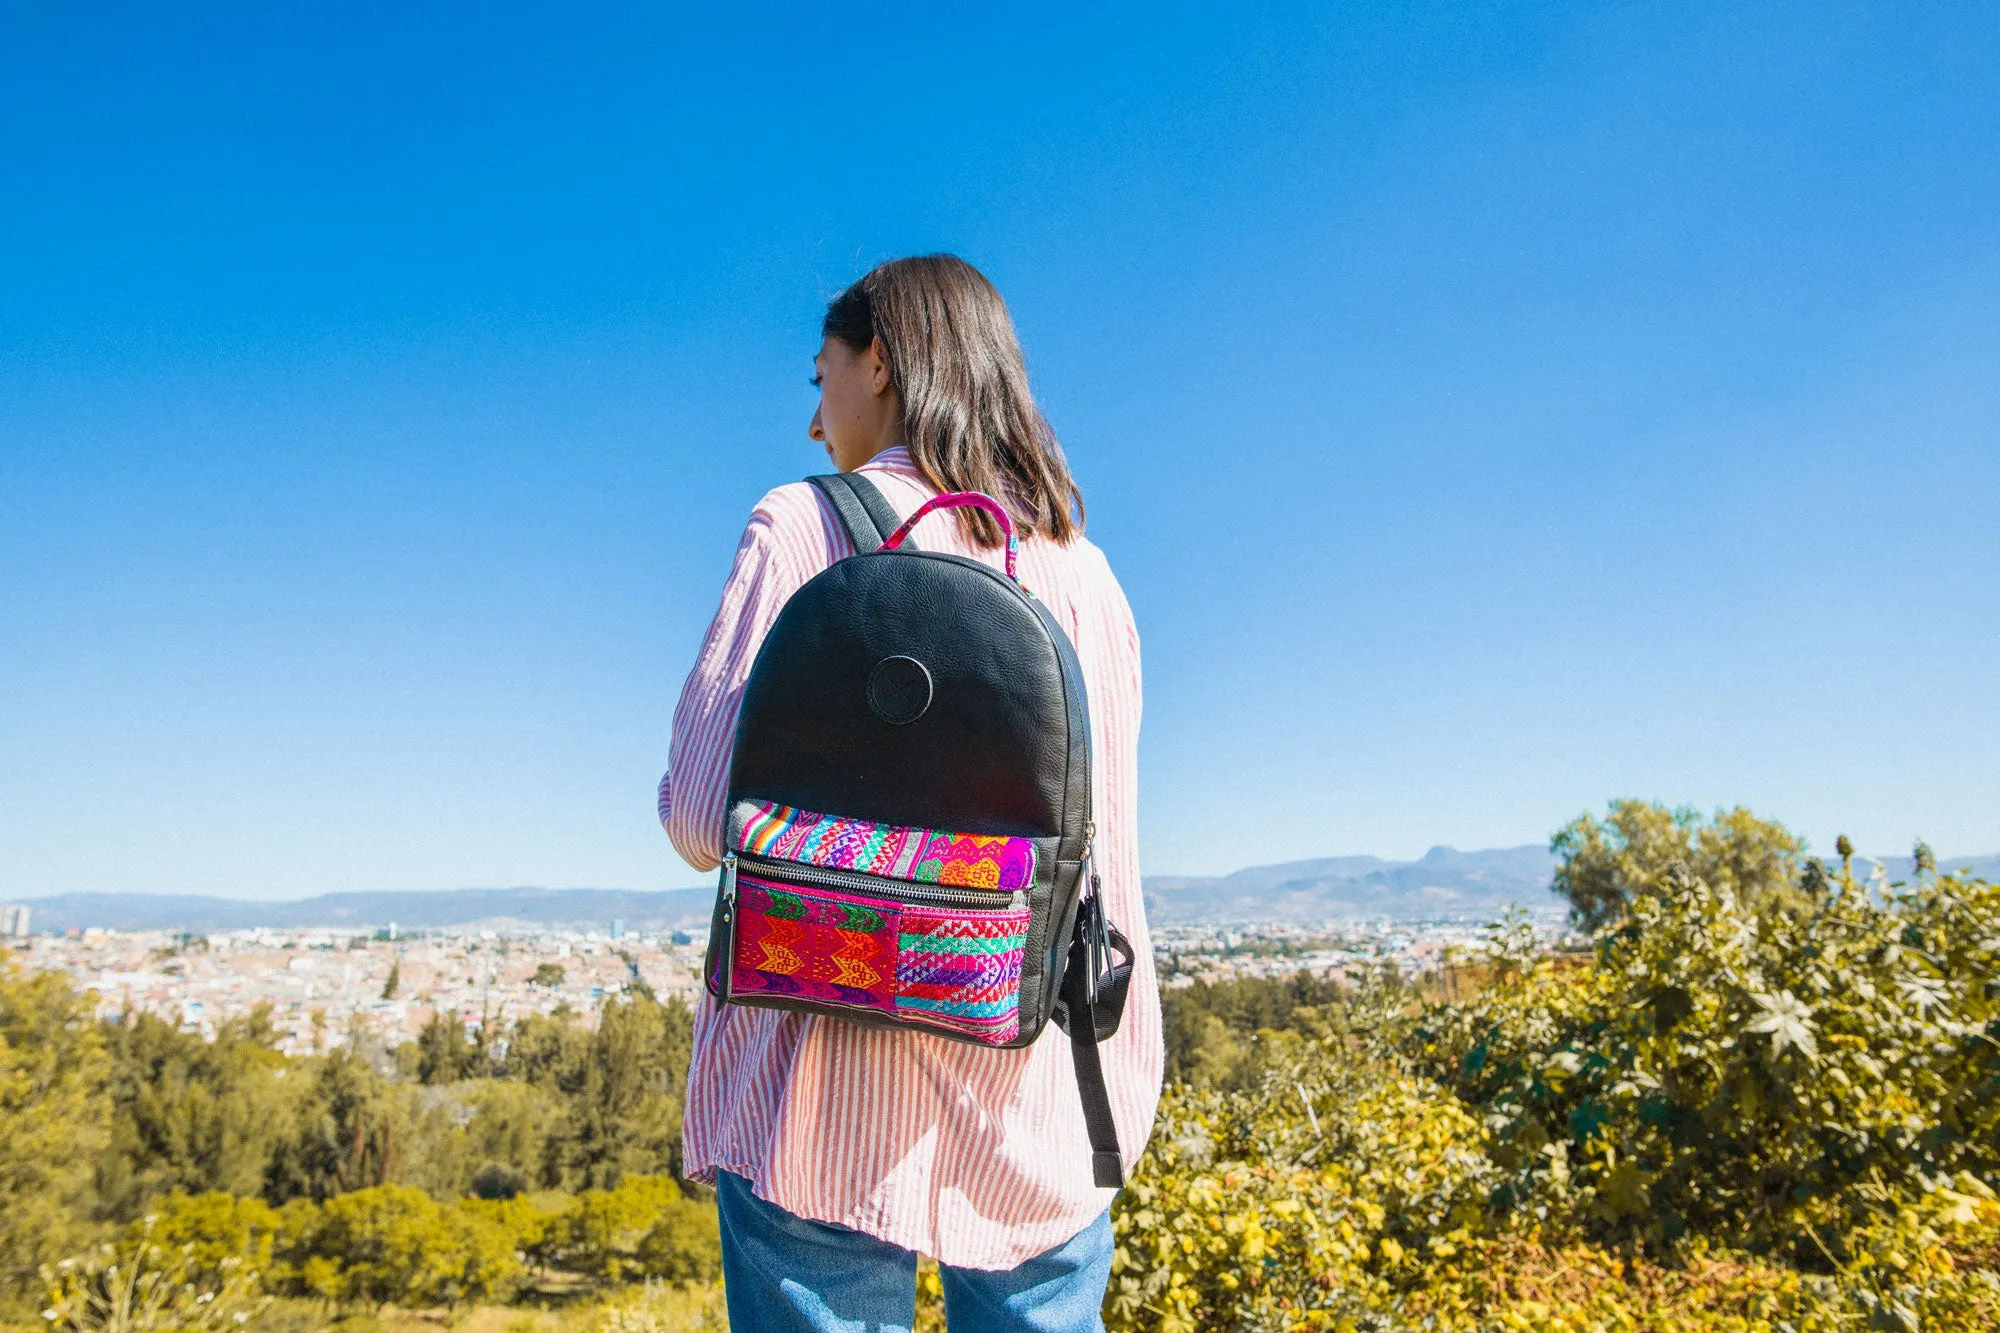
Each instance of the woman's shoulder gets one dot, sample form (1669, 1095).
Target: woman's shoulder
(1081, 570)
(1089, 555)
(790, 520)
(1089, 560)
(794, 504)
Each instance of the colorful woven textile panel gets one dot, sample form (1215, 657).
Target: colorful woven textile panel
(935, 966)
(923, 856)
(962, 970)
(826, 947)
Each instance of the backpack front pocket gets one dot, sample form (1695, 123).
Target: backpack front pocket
(939, 966)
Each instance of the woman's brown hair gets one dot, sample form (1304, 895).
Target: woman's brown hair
(968, 418)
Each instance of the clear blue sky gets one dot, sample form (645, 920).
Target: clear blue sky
(1491, 409)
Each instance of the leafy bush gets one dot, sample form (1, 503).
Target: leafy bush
(1769, 1080)
(214, 1232)
(1313, 1192)
(646, 1228)
(1737, 1116)
(394, 1243)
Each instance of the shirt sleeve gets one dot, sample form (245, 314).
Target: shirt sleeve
(1128, 628)
(764, 577)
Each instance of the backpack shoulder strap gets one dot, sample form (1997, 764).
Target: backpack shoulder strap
(863, 512)
(1092, 1000)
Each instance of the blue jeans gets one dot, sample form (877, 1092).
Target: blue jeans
(784, 1274)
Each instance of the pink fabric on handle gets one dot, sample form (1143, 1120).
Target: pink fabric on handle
(959, 500)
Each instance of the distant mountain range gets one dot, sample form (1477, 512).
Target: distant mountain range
(1444, 882)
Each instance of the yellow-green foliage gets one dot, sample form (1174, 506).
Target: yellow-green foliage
(646, 1228)
(1731, 1119)
(1766, 1102)
(53, 1117)
(1317, 1190)
(692, 1307)
(281, 1166)
(144, 1285)
(1604, 865)
(1766, 1079)
(193, 1115)
(545, 1104)
(211, 1230)
(396, 1243)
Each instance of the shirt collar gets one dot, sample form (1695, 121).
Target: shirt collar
(895, 460)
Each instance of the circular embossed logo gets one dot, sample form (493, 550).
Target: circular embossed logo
(899, 689)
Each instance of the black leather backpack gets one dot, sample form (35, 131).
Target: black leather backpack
(908, 820)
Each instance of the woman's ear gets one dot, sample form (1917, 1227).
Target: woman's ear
(880, 381)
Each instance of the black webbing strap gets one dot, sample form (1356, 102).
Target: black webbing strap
(1093, 1001)
(863, 512)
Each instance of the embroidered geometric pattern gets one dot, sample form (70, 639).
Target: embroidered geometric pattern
(923, 856)
(962, 970)
(826, 947)
(944, 967)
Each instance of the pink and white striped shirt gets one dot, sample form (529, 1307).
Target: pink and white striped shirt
(974, 1156)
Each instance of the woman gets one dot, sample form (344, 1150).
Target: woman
(789, 1116)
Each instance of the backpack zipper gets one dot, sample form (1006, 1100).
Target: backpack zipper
(990, 900)
(726, 946)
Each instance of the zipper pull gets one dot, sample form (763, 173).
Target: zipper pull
(1090, 859)
(729, 882)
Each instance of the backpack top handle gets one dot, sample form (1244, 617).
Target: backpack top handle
(961, 500)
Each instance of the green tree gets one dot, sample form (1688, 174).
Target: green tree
(498, 1181)
(512, 1127)
(1601, 866)
(189, 1114)
(548, 974)
(53, 1117)
(1214, 1030)
(342, 1136)
(395, 981)
(447, 1054)
(547, 1050)
(623, 1110)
